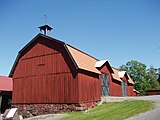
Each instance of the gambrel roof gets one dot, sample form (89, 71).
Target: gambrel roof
(80, 59)
(83, 60)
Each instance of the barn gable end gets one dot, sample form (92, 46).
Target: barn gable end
(47, 72)
(43, 67)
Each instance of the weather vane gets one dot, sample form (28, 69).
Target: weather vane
(45, 18)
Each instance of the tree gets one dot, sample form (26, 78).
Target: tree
(138, 73)
(152, 78)
(158, 75)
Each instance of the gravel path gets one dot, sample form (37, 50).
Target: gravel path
(47, 117)
(150, 115)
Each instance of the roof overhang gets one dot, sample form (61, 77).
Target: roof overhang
(6, 83)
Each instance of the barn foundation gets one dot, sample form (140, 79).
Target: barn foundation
(29, 110)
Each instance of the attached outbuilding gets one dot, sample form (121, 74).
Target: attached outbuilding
(6, 86)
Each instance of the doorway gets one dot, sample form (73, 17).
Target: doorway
(124, 88)
(105, 85)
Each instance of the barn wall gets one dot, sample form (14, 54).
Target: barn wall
(89, 87)
(45, 75)
(125, 79)
(130, 91)
(104, 69)
(130, 87)
(115, 88)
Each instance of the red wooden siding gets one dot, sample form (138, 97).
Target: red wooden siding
(130, 87)
(130, 91)
(89, 87)
(55, 88)
(105, 70)
(45, 75)
(115, 88)
(153, 92)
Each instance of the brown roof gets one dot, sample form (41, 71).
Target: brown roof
(83, 60)
(115, 75)
(130, 79)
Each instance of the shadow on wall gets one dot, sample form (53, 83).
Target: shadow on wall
(0, 102)
(5, 102)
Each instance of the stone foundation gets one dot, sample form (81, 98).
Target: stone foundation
(29, 110)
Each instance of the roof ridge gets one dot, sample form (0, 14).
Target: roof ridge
(116, 68)
(68, 45)
(82, 51)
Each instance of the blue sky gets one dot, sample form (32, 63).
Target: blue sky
(117, 30)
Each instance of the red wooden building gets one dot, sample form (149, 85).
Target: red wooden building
(127, 84)
(6, 86)
(153, 92)
(49, 71)
(50, 75)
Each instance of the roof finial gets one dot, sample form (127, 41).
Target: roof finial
(45, 28)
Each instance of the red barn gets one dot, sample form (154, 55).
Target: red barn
(49, 71)
(51, 76)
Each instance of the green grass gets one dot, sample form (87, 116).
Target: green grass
(112, 111)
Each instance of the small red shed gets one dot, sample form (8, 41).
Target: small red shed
(6, 86)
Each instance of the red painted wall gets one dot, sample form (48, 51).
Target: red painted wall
(115, 86)
(43, 76)
(130, 87)
(46, 74)
(89, 87)
(130, 91)
(153, 92)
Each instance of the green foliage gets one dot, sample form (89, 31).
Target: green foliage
(152, 77)
(144, 79)
(158, 75)
(112, 111)
(138, 73)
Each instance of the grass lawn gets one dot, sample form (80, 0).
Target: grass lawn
(112, 111)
